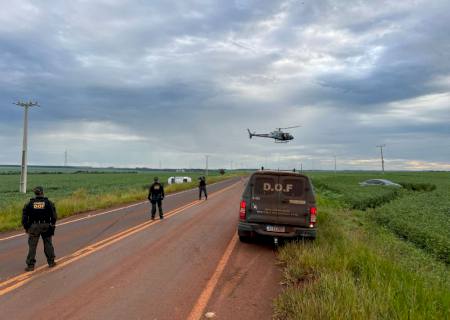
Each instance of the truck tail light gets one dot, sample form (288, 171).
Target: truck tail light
(242, 210)
(312, 216)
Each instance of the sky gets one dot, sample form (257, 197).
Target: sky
(165, 83)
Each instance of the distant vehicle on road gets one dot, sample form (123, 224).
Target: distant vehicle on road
(277, 204)
(179, 180)
(379, 182)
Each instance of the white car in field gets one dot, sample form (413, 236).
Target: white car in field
(379, 182)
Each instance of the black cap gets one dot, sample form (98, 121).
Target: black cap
(38, 190)
(155, 179)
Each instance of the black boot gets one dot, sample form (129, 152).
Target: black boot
(29, 268)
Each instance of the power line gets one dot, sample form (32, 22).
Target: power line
(23, 172)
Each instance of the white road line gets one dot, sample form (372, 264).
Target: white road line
(106, 212)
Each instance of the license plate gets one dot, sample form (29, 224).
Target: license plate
(276, 228)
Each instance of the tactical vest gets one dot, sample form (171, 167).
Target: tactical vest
(40, 210)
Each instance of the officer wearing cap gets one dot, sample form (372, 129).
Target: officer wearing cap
(155, 196)
(39, 219)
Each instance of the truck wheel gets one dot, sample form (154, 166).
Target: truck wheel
(244, 239)
(244, 236)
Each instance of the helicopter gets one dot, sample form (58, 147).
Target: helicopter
(278, 135)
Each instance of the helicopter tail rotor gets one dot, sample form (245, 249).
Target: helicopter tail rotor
(249, 133)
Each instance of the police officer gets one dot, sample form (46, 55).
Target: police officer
(202, 188)
(39, 219)
(155, 196)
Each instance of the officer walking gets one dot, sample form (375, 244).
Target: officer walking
(39, 219)
(155, 196)
(202, 188)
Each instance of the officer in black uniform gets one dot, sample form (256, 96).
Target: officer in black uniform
(202, 188)
(155, 196)
(39, 219)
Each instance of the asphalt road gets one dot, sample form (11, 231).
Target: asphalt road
(118, 264)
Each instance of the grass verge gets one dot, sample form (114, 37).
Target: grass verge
(357, 269)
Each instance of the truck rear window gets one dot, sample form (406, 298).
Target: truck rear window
(293, 187)
(264, 186)
(288, 187)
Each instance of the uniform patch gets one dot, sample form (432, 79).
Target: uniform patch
(38, 205)
(156, 187)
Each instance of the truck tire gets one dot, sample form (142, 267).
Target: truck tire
(244, 236)
(245, 239)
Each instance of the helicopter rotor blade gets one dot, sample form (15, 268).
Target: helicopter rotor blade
(289, 127)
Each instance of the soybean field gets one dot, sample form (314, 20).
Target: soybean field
(419, 212)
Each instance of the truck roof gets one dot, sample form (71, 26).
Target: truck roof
(279, 173)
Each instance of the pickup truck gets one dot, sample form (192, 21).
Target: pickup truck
(277, 204)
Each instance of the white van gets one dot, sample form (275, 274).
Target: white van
(179, 180)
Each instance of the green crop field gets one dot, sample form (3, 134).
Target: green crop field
(419, 212)
(78, 190)
(381, 252)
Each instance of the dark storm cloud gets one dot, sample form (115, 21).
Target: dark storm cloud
(187, 78)
(412, 44)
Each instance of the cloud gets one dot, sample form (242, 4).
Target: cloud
(133, 83)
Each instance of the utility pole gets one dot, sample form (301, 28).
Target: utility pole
(65, 158)
(334, 163)
(206, 169)
(23, 173)
(381, 146)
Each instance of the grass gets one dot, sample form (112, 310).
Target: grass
(79, 192)
(359, 267)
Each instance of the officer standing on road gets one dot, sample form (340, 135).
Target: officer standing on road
(155, 196)
(39, 219)
(202, 188)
